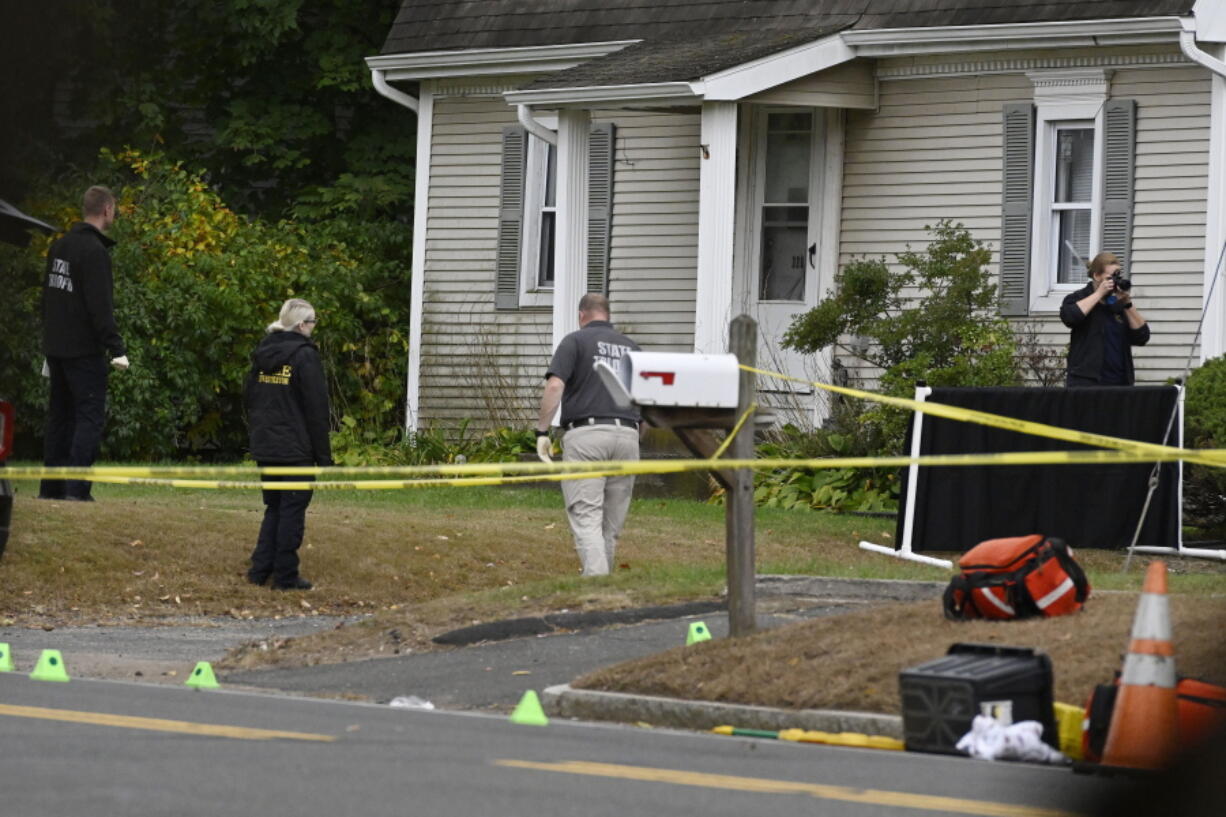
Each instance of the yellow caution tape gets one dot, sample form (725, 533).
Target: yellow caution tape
(1209, 457)
(1121, 451)
(749, 412)
(475, 474)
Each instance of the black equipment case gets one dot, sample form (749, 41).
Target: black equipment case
(941, 697)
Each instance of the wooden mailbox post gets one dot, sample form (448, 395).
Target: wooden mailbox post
(696, 428)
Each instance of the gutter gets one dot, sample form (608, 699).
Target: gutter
(394, 94)
(1187, 44)
(524, 112)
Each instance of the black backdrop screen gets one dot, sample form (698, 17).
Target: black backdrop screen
(1095, 506)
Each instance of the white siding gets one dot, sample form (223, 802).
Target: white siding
(485, 366)
(653, 258)
(476, 364)
(933, 151)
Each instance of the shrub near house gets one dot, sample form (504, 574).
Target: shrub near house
(948, 335)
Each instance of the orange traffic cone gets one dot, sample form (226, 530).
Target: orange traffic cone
(1144, 731)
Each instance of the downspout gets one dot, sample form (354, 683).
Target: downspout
(412, 400)
(394, 94)
(1187, 43)
(535, 128)
(1213, 320)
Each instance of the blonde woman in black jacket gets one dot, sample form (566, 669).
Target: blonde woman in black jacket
(287, 415)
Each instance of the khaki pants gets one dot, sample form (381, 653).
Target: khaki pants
(597, 507)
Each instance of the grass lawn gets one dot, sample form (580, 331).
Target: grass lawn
(424, 561)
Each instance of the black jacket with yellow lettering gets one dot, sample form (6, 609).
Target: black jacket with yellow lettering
(287, 402)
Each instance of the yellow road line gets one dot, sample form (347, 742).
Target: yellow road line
(215, 730)
(877, 797)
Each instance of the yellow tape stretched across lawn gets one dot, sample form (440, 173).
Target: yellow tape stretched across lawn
(471, 474)
(475, 474)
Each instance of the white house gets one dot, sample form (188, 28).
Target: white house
(697, 160)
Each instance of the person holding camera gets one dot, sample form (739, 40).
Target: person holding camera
(1105, 326)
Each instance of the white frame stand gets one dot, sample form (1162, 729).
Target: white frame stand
(904, 547)
(1179, 549)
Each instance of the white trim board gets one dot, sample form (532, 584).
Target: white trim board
(473, 61)
(659, 93)
(889, 42)
(417, 284)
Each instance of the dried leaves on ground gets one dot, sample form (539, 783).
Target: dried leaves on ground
(852, 661)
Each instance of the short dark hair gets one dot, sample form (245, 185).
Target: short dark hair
(95, 200)
(594, 302)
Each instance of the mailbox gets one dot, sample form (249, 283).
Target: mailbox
(673, 379)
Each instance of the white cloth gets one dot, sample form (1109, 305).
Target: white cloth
(597, 507)
(989, 739)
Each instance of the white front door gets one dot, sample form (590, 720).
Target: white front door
(785, 233)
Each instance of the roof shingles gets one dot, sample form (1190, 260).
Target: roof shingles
(687, 39)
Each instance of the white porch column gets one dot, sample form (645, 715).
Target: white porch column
(1213, 333)
(570, 268)
(716, 227)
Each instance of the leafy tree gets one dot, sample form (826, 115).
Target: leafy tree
(271, 96)
(933, 320)
(195, 283)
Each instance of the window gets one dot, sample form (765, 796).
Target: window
(528, 219)
(1072, 212)
(785, 206)
(1067, 187)
(540, 221)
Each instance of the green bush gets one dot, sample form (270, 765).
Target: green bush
(1205, 427)
(356, 447)
(935, 320)
(834, 489)
(195, 284)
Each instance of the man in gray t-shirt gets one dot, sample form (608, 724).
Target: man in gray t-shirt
(594, 428)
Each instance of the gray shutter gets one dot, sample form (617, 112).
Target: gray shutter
(600, 205)
(1016, 217)
(510, 216)
(1119, 158)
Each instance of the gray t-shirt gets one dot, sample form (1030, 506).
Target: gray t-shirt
(585, 396)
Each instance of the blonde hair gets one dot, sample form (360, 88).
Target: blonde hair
(293, 312)
(1100, 262)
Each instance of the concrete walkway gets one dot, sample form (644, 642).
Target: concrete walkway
(494, 674)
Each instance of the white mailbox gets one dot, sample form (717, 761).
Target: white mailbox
(673, 379)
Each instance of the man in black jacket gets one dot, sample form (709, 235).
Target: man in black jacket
(1105, 326)
(79, 332)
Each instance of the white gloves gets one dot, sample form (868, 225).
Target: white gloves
(544, 448)
(120, 362)
(46, 368)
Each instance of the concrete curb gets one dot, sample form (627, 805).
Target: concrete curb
(828, 590)
(540, 625)
(585, 704)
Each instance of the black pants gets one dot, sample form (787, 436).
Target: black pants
(75, 418)
(276, 550)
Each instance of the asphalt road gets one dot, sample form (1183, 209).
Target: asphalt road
(113, 748)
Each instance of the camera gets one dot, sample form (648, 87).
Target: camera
(1122, 284)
